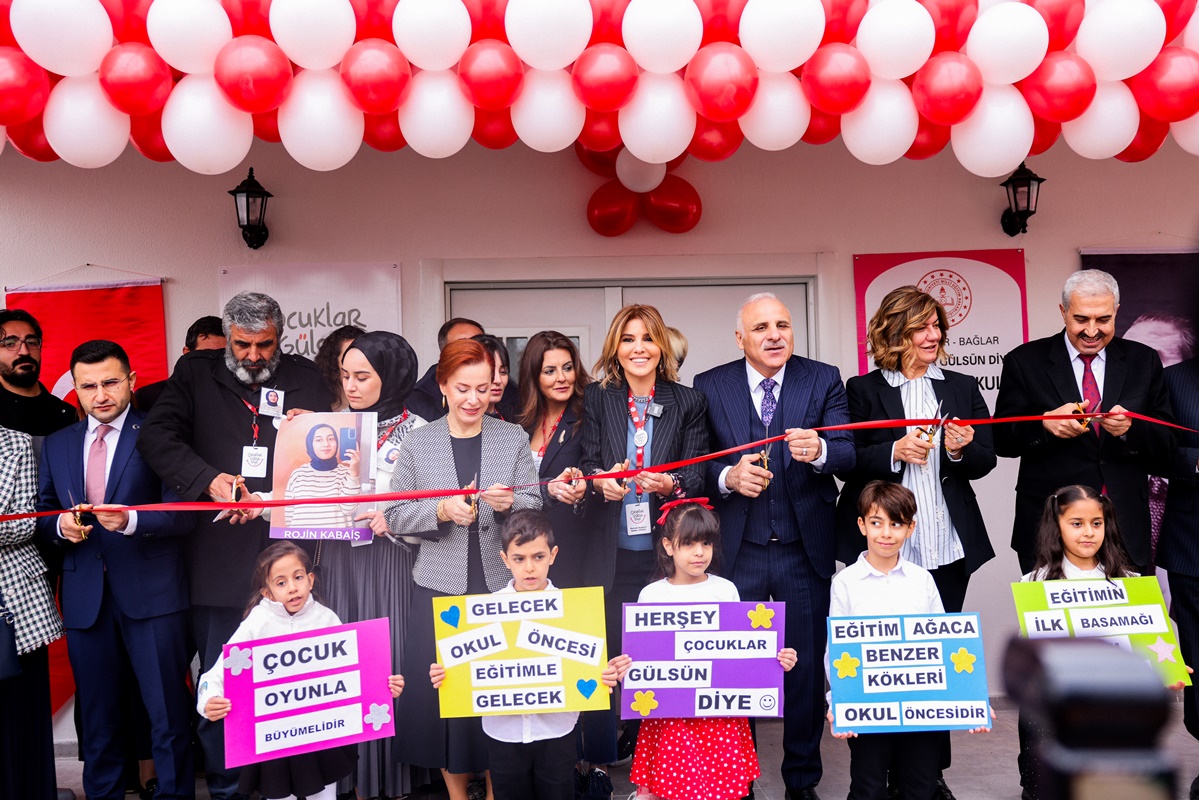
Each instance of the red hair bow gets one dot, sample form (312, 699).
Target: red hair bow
(667, 507)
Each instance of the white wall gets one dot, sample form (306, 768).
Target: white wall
(438, 217)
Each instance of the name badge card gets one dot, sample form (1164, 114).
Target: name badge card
(521, 652)
(1128, 612)
(329, 456)
(308, 691)
(638, 521)
(253, 462)
(907, 673)
(703, 660)
(271, 402)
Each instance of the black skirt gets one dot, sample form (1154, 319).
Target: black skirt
(301, 775)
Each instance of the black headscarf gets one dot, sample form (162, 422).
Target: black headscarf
(321, 464)
(395, 361)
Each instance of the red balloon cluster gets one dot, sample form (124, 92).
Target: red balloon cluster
(674, 205)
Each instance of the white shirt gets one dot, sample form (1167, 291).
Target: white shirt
(110, 440)
(713, 590)
(1070, 572)
(1098, 367)
(526, 728)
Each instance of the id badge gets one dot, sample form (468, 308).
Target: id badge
(637, 519)
(271, 403)
(253, 462)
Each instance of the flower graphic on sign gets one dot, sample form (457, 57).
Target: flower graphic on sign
(963, 660)
(761, 616)
(380, 715)
(238, 660)
(643, 703)
(847, 666)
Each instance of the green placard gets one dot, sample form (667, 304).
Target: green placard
(1128, 612)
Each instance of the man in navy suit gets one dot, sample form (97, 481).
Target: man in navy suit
(777, 518)
(124, 590)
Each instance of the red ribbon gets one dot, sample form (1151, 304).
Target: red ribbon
(667, 507)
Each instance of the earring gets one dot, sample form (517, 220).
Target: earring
(443, 401)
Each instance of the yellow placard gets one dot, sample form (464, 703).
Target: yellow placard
(521, 652)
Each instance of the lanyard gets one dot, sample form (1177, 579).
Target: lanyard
(253, 411)
(387, 432)
(545, 437)
(640, 436)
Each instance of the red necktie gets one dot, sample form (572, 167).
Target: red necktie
(97, 466)
(1090, 389)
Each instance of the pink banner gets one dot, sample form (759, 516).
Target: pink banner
(308, 691)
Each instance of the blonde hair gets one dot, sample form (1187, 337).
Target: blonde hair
(901, 313)
(609, 365)
(678, 343)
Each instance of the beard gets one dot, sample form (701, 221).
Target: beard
(250, 372)
(22, 378)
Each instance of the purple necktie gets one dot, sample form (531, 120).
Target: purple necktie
(768, 401)
(97, 465)
(1090, 389)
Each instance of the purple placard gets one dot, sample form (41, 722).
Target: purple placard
(703, 660)
(308, 691)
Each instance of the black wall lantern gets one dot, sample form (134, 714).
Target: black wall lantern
(250, 198)
(1023, 186)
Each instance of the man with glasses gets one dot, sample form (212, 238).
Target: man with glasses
(25, 404)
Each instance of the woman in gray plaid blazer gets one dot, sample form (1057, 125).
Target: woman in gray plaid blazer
(26, 734)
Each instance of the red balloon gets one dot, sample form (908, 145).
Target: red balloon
(836, 78)
(136, 79)
(722, 20)
(254, 73)
(604, 77)
(674, 206)
(374, 19)
(250, 17)
(491, 74)
(721, 81)
(493, 129)
(612, 210)
(266, 126)
(1045, 133)
(822, 128)
(145, 133)
(953, 20)
(6, 37)
(24, 87)
(376, 73)
(1062, 17)
(607, 19)
(486, 19)
(29, 139)
(1061, 89)
(947, 88)
(842, 18)
(1150, 136)
(1178, 14)
(128, 19)
(1168, 89)
(601, 131)
(601, 162)
(931, 139)
(382, 132)
(715, 141)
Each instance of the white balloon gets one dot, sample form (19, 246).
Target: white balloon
(637, 175)
(82, 126)
(780, 35)
(662, 35)
(1190, 34)
(319, 124)
(658, 123)
(548, 34)
(547, 115)
(1108, 125)
(436, 119)
(67, 37)
(896, 37)
(997, 135)
(779, 114)
(433, 34)
(1120, 39)
(188, 34)
(1008, 42)
(202, 129)
(884, 126)
(1186, 133)
(313, 33)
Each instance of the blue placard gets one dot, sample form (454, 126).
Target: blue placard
(891, 674)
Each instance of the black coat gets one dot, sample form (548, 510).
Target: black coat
(1178, 547)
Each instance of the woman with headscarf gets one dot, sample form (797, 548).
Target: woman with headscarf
(372, 579)
(325, 475)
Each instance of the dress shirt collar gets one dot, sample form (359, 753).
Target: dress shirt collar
(894, 378)
(1101, 356)
(755, 378)
(511, 587)
(118, 423)
(871, 572)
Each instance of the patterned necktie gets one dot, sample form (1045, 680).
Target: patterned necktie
(1090, 389)
(1157, 507)
(768, 401)
(97, 465)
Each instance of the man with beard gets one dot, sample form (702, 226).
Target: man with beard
(208, 432)
(26, 405)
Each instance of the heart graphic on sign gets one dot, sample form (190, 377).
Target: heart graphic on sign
(451, 616)
(586, 688)
(637, 515)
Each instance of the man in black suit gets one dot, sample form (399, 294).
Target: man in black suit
(1085, 367)
(426, 400)
(204, 334)
(777, 523)
(25, 404)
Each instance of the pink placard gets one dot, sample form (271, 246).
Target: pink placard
(308, 691)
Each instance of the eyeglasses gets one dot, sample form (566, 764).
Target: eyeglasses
(109, 385)
(14, 343)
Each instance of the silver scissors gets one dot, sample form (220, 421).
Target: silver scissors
(930, 433)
